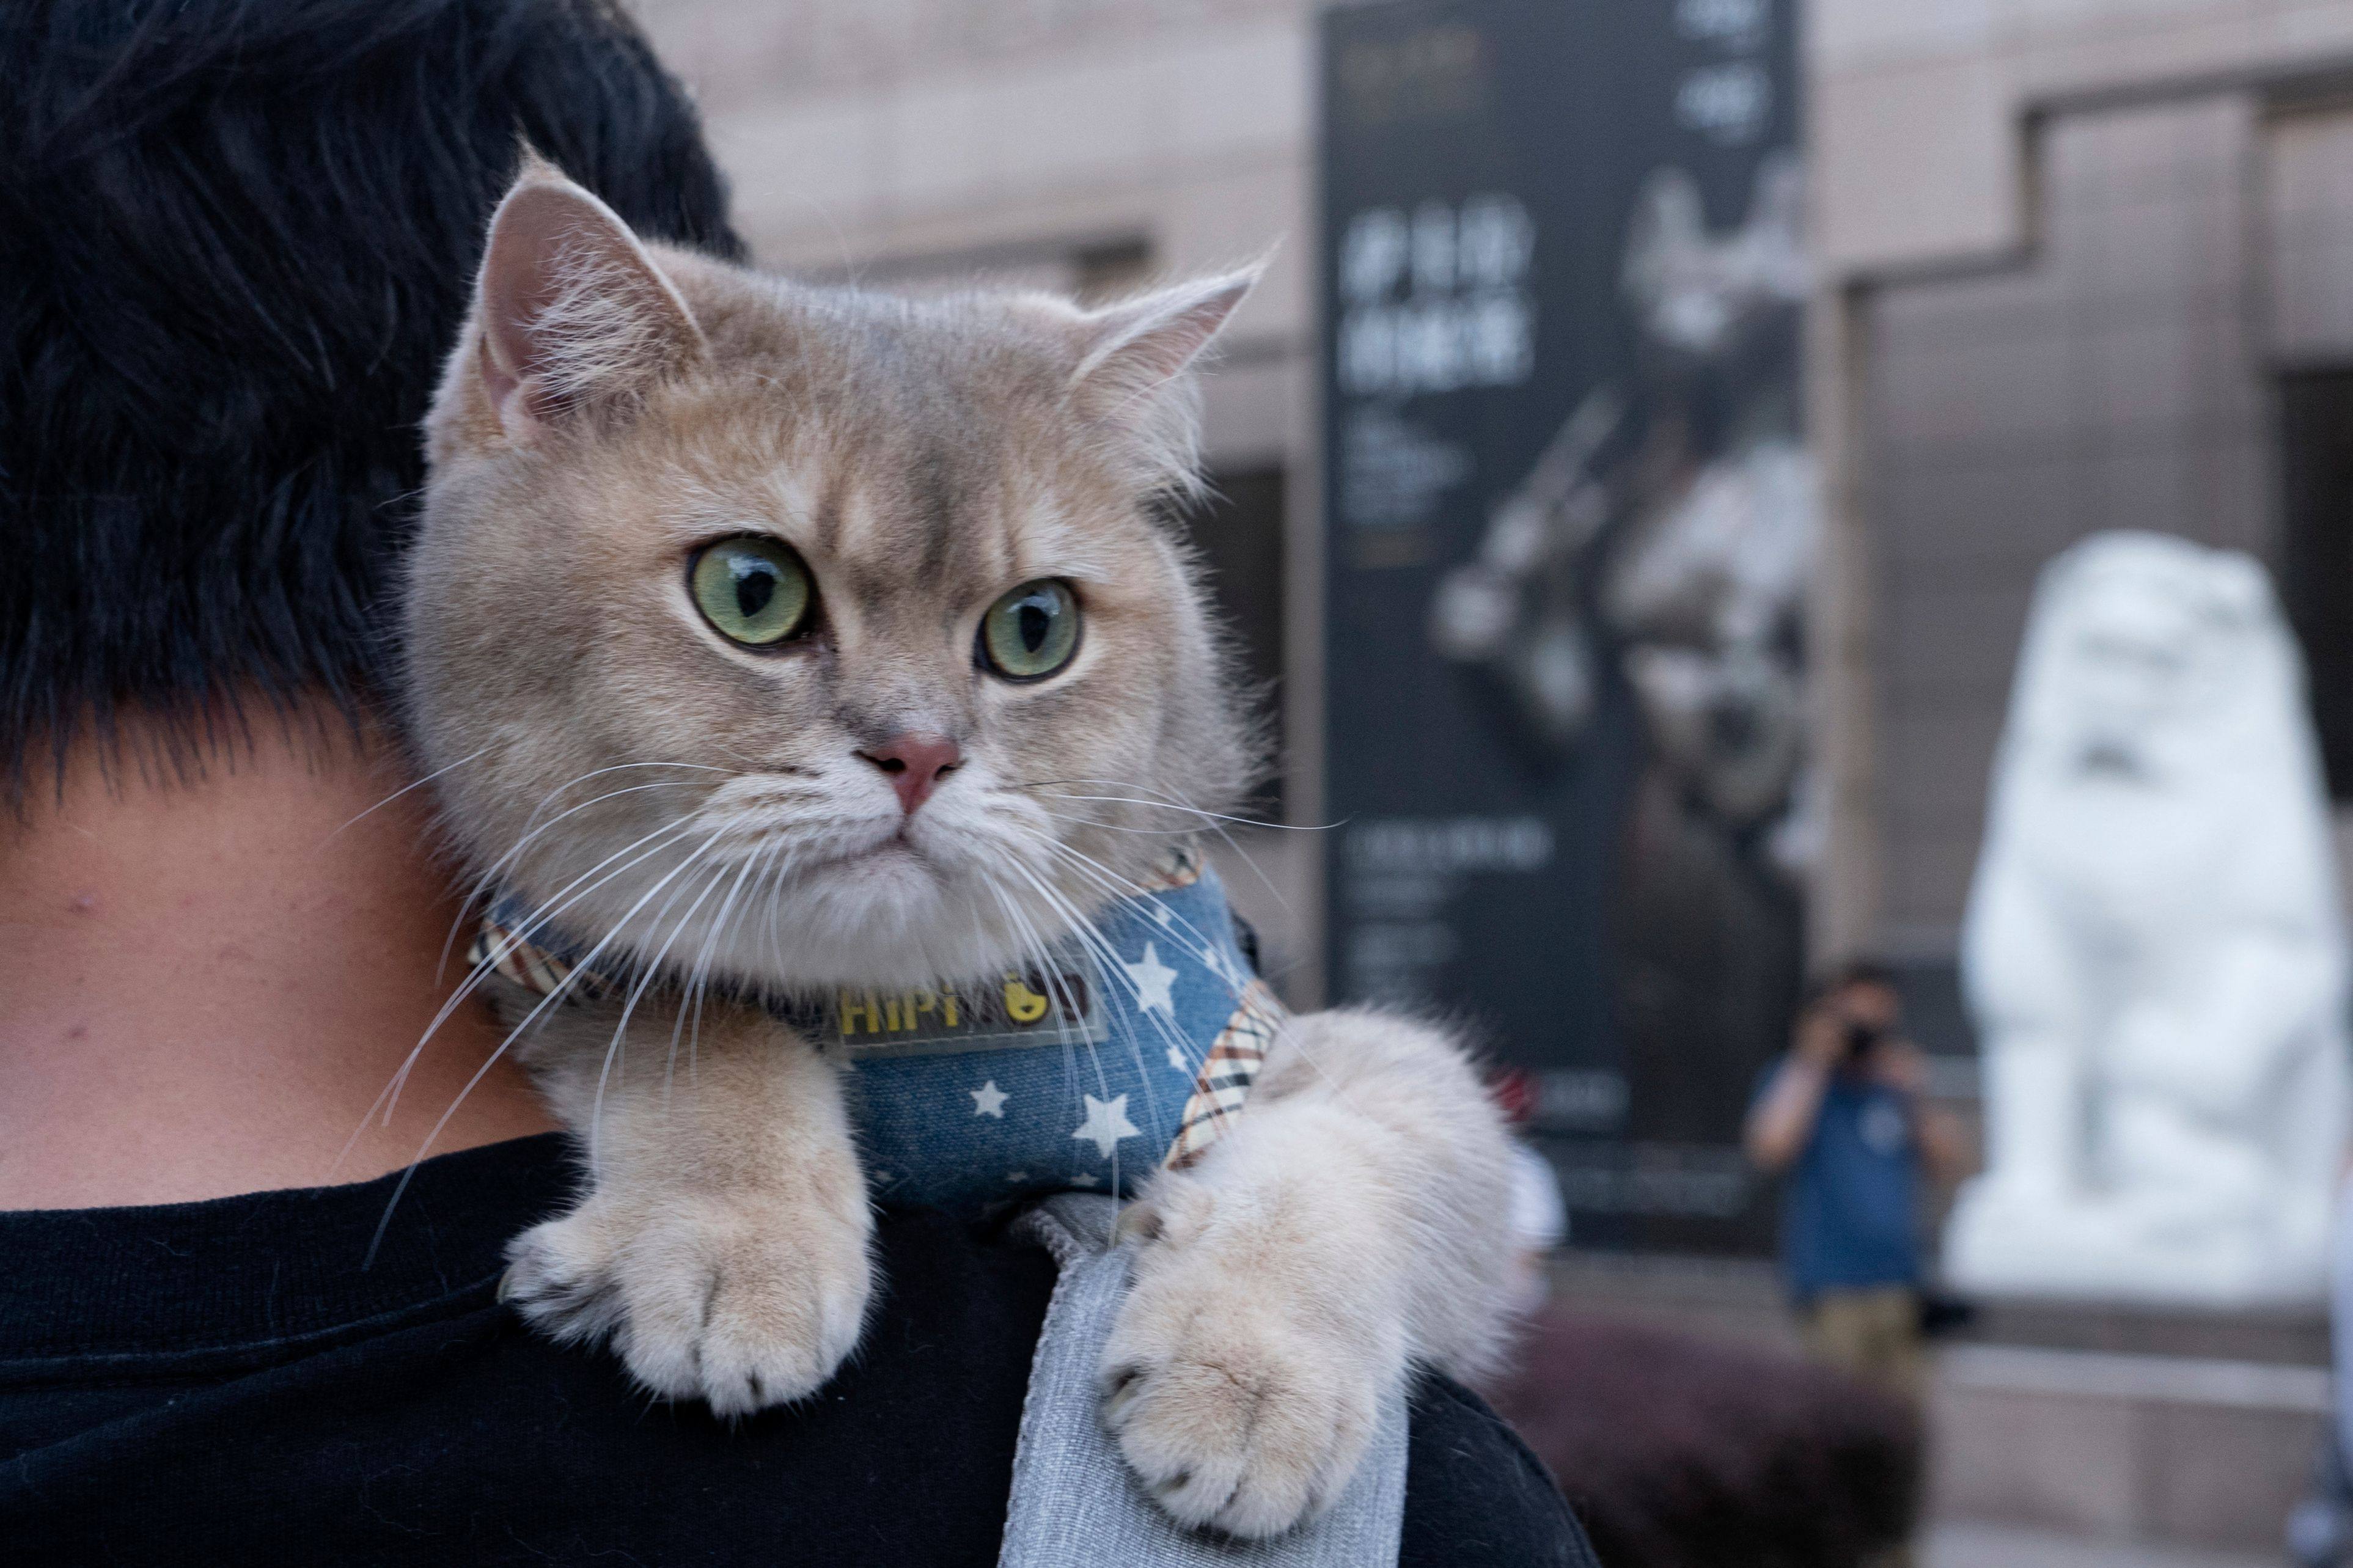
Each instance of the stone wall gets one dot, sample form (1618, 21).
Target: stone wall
(2066, 247)
(2111, 382)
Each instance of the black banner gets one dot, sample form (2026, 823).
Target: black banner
(1570, 517)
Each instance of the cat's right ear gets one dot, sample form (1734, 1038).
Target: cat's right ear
(571, 314)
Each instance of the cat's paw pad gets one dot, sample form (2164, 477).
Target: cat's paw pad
(1233, 1419)
(740, 1311)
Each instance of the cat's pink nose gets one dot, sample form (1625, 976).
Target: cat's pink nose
(915, 765)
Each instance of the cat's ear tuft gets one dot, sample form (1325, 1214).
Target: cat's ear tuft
(1141, 341)
(1136, 360)
(572, 314)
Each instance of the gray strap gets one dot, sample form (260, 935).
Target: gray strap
(1076, 1505)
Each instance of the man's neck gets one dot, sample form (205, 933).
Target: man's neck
(206, 986)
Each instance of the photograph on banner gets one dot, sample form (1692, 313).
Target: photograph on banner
(1572, 518)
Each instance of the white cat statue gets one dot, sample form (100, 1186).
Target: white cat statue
(2153, 952)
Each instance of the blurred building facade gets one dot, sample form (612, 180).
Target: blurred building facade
(2083, 264)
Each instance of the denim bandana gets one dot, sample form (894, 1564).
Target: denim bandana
(1086, 1072)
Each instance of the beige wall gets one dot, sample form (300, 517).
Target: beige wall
(2066, 244)
(2110, 382)
(1919, 106)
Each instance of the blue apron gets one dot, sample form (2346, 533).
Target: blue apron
(1123, 1053)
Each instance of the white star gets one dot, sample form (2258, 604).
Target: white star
(987, 1100)
(1164, 914)
(1152, 978)
(1176, 1060)
(1106, 1123)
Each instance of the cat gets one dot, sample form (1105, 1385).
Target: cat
(795, 637)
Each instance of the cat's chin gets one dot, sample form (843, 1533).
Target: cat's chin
(886, 916)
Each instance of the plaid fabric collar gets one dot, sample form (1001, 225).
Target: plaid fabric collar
(1087, 1071)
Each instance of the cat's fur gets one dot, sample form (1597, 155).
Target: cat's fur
(601, 750)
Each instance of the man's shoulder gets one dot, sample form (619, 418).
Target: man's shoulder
(446, 1431)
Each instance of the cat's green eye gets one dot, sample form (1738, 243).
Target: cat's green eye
(1032, 631)
(754, 590)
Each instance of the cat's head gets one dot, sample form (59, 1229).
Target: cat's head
(810, 636)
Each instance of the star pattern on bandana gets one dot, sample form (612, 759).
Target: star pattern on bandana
(1106, 1124)
(1113, 995)
(1152, 980)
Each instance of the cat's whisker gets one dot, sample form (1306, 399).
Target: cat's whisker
(530, 928)
(697, 977)
(557, 991)
(1305, 1054)
(491, 874)
(1037, 951)
(396, 794)
(1099, 826)
(1041, 955)
(573, 782)
(1165, 804)
(1202, 947)
(776, 936)
(689, 988)
(586, 963)
(1215, 821)
(1110, 963)
(583, 965)
(539, 920)
(388, 1100)
(652, 970)
(489, 879)
(720, 923)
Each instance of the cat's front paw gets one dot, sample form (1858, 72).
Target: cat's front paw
(740, 1306)
(1243, 1394)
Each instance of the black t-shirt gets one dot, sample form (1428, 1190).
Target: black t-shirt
(222, 1383)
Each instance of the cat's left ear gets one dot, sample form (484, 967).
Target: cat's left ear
(1136, 358)
(572, 314)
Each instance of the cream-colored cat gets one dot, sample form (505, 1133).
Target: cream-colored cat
(791, 637)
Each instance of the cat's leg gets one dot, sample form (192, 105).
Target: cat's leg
(1350, 1225)
(722, 1241)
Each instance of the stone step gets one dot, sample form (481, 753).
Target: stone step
(2001, 1546)
(2159, 1450)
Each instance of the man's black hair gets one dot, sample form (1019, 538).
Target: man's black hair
(236, 239)
(1849, 972)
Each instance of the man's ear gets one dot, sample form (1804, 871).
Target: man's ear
(574, 315)
(1135, 359)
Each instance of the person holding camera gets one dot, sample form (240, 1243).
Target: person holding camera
(1844, 1116)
